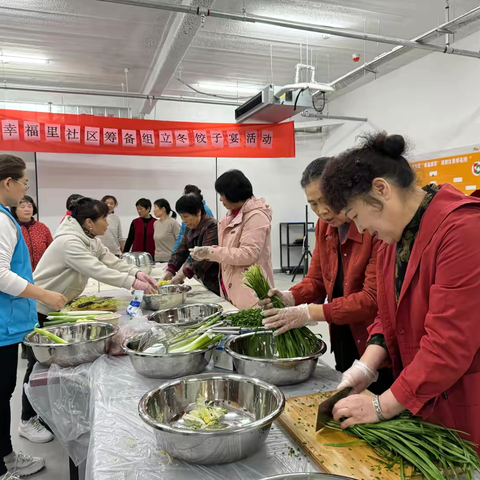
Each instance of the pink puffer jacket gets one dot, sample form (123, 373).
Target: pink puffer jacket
(243, 241)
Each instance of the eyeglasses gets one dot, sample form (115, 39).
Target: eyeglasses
(26, 186)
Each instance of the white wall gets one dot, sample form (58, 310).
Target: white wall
(434, 102)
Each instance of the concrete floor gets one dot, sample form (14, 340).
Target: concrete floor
(55, 457)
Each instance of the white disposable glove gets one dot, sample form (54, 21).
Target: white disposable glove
(146, 287)
(286, 318)
(286, 296)
(200, 253)
(359, 376)
(167, 275)
(147, 278)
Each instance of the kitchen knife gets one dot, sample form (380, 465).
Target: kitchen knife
(324, 414)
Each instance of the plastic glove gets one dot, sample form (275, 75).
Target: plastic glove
(200, 253)
(146, 287)
(167, 275)
(359, 376)
(286, 318)
(286, 296)
(178, 278)
(143, 277)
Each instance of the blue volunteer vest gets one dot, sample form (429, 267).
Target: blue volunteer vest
(18, 315)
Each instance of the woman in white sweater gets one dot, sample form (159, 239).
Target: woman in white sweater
(76, 255)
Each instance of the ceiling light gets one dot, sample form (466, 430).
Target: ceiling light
(25, 60)
(229, 88)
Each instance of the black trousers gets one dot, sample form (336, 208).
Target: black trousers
(9, 363)
(27, 410)
(346, 352)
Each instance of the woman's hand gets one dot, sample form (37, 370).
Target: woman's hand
(355, 409)
(200, 253)
(178, 278)
(285, 296)
(53, 299)
(167, 276)
(286, 318)
(146, 287)
(359, 376)
(143, 277)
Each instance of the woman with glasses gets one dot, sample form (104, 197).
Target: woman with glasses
(18, 312)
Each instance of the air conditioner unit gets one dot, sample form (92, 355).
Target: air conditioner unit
(273, 105)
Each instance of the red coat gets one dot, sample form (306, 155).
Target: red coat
(433, 334)
(358, 306)
(143, 241)
(37, 237)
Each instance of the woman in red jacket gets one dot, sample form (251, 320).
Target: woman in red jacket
(36, 234)
(428, 279)
(140, 236)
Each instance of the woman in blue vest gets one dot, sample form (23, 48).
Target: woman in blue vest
(18, 311)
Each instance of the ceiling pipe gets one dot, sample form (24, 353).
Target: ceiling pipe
(333, 117)
(340, 32)
(451, 27)
(112, 93)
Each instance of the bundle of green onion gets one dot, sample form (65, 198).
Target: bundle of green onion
(197, 339)
(298, 342)
(429, 449)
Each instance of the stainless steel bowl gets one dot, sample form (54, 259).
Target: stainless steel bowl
(141, 260)
(308, 476)
(186, 315)
(168, 296)
(267, 366)
(252, 406)
(169, 365)
(86, 342)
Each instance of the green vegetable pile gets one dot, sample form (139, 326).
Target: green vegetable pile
(205, 416)
(195, 339)
(251, 318)
(298, 342)
(430, 449)
(98, 303)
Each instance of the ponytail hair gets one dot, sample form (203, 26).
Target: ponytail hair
(87, 208)
(162, 203)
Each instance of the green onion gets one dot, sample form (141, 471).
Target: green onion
(298, 342)
(433, 451)
(67, 319)
(49, 335)
(199, 343)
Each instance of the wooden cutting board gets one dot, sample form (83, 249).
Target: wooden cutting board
(353, 461)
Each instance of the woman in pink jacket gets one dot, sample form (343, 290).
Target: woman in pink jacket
(243, 237)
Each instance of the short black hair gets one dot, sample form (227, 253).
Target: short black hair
(11, 167)
(351, 174)
(234, 186)
(314, 171)
(88, 208)
(72, 199)
(145, 203)
(162, 203)
(190, 204)
(27, 199)
(106, 197)
(193, 189)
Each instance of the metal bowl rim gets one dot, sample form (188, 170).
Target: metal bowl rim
(182, 289)
(220, 308)
(27, 342)
(239, 356)
(134, 353)
(263, 422)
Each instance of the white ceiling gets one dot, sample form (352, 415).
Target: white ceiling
(90, 43)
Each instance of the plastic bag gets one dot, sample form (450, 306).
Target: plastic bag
(126, 330)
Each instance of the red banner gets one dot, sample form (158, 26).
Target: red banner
(50, 132)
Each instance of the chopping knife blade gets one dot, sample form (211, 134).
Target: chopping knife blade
(324, 414)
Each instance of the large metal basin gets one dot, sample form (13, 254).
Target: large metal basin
(86, 342)
(267, 366)
(252, 407)
(168, 296)
(169, 365)
(186, 315)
